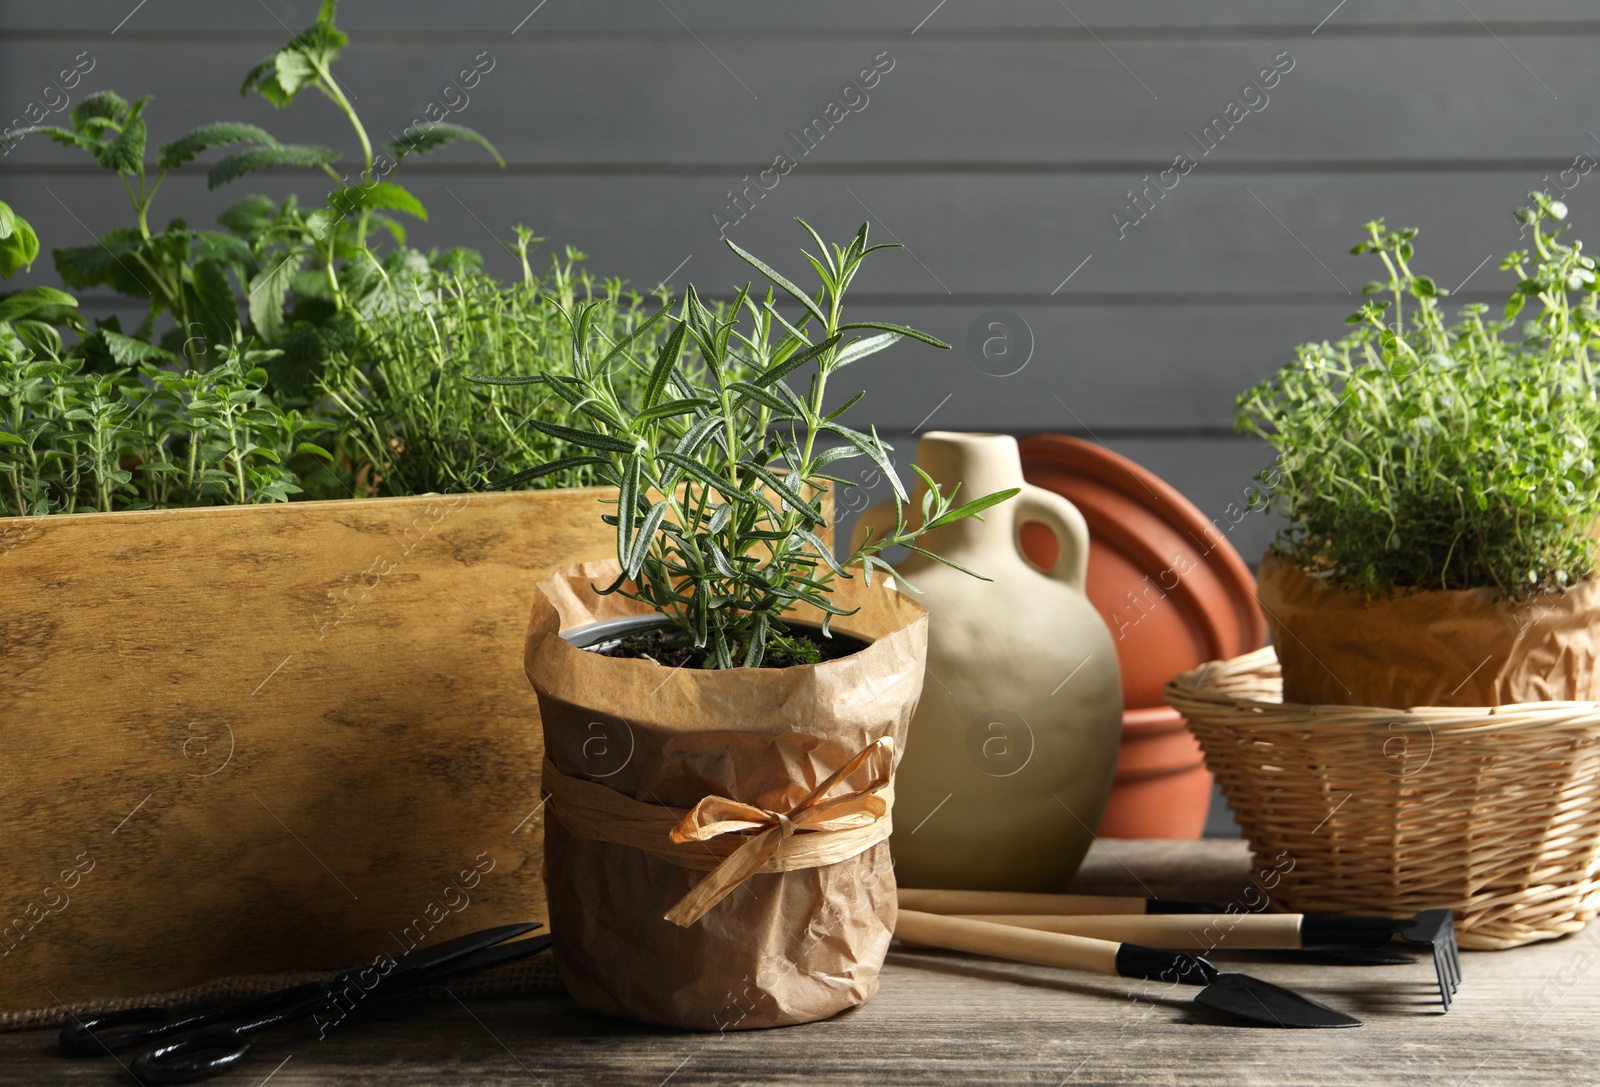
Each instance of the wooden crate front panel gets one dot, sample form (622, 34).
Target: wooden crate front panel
(262, 739)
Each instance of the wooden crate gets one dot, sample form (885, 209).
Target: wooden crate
(269, 738)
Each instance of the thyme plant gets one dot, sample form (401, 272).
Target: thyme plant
(1421, 454)
(143, 436)
(720, 458)
(401, 390)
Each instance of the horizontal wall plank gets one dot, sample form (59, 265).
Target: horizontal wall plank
(1213, 473)
(1144, 369)
(91, 16)
(1093, 369)
(989, 237)
(1062, 106)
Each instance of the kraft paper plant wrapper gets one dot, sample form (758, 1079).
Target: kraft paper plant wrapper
(1466, 647)
(783, 947)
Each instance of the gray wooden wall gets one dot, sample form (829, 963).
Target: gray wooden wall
(996, 148)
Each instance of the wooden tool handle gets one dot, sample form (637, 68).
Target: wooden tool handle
(1193, 932)
(968, 902)
(1008, 942)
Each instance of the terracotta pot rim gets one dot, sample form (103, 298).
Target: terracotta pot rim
(1151, 719)
(1132, 777)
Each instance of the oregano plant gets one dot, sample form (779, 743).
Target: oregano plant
(1417, 453)
(721, 461)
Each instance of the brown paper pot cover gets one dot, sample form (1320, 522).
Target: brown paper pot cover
(1469, 647)
(1494, 813)
(785, 947)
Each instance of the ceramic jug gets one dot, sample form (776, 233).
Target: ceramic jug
(1009, 759)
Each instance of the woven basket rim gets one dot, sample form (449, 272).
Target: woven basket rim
(1206, 686)
(1496, 816)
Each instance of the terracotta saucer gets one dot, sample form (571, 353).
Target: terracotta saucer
(1162, 788)
(1164, 577)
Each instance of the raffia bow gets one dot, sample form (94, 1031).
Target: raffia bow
(730, 839)
(715, 816)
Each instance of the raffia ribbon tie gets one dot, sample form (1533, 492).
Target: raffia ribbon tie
(716, 816)
(728, 839)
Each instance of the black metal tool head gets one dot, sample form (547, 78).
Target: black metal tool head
(1436, 929)
(474, 951)
(1269, 1005)
(1349, 956)
(1433, 929)
(426, 961)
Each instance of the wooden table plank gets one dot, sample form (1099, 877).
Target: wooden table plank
(1526, 1016)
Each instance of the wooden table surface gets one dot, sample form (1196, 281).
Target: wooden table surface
(1526, 1016)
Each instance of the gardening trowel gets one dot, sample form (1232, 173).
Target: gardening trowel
(1240, 995)
(1170, 922)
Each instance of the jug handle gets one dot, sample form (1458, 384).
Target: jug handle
(1062, 518)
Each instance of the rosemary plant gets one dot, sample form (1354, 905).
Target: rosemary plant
(719, 463)
(1420, 454)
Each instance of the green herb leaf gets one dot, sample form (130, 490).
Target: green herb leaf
(125, 152)
(976, 506)
(102, 105)
(666, 364)
(622, 345)
(268, 291)
(19, 245)
(647, 531)
(869, 345)
(421, 139)
(32, 300)
(586, 438)
(901, 330)
(771, 273)
(565, 464)
(382, 194)
(783, 369)
(251, 159)
(129, 351)
(197, 141)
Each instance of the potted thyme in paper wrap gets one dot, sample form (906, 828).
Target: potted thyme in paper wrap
(1433, 604)
(1441, 488)
(723, 705)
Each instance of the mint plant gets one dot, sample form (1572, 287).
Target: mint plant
(266, 247)
(1421, 454)
(285, 238)
(720, 461)
(180, 271)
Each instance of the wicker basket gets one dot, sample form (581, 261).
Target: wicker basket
(1492, 812)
